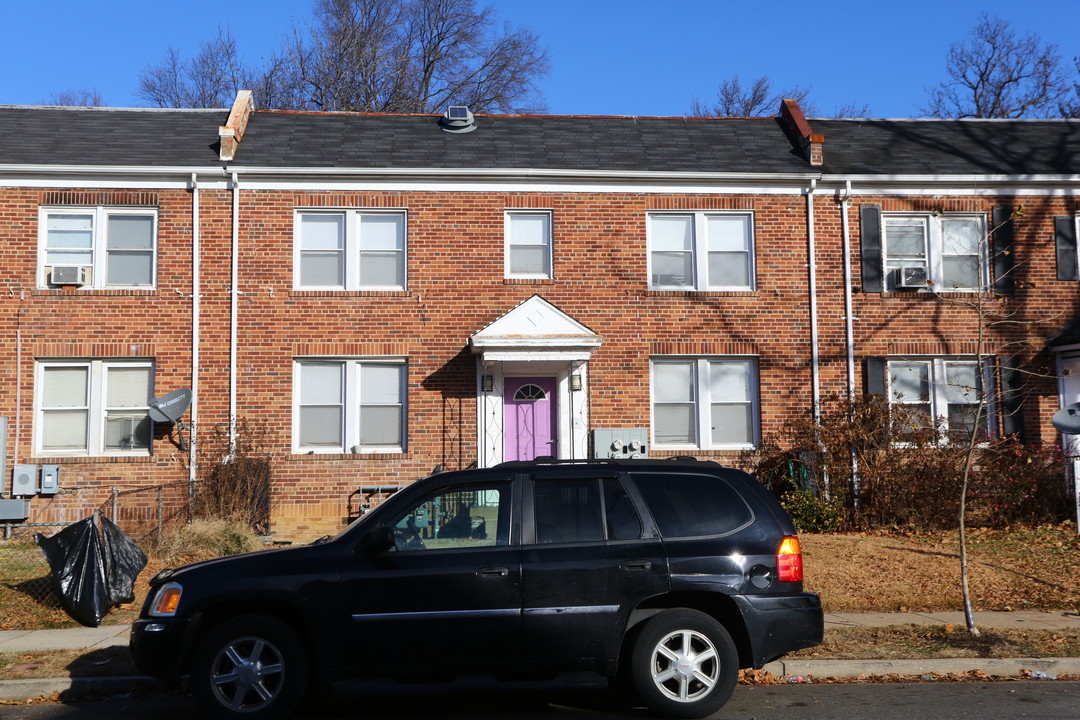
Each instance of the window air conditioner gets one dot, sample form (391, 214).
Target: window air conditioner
(67, 275)
(913, 276)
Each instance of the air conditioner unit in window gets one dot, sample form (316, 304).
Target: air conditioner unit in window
(913, 276)
(67, 275)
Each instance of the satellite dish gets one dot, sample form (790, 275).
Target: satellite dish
(1067, 419)
(169, 407)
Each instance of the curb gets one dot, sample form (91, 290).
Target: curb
(943, 666)
(70, 688)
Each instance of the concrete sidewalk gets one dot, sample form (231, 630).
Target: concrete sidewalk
(90, 639)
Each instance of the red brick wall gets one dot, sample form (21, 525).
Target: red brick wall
(455, 288)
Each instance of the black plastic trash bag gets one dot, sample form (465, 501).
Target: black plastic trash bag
(93, 572)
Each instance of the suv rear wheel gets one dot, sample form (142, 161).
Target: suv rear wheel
(252, 666)
(684, 664)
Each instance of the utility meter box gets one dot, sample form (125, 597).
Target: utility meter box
(17, 510)
(620, 443)
(24, 482)
(50, 479)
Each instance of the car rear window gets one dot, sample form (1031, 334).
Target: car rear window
(692, 505)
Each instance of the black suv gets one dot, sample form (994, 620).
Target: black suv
(671, 574)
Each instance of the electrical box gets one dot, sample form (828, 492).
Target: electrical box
(50, 479)
(24, 482)
(620, 443)
(14, 510)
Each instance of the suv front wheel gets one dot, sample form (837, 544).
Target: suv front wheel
(684, 664)
(252, 666)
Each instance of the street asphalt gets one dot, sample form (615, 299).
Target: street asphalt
(90, 639)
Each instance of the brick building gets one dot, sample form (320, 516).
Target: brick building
(383, 294)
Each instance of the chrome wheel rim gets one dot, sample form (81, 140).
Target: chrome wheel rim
(247, 674)
(685, 666)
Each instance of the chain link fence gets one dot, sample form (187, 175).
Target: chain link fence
(28, 595)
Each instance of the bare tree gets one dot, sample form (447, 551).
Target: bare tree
(995, 74)
(733, 99)
(77, 97)
(1070, 107)
(210, 79)
(369, 56)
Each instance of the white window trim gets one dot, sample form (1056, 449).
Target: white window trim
(550, 244)
(700, 250)
(703, 406)
(935, 251)
(95, 440)
(99, 262)
(351, 406)
(939, 402)
(351, 256)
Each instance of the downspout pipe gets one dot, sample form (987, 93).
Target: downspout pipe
(815, 368)
(234, 309)
(849, 331)
(195, 270)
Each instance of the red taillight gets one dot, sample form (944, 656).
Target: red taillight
(789, 560)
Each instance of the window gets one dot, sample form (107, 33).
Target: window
(705, 403)
(686, 505)
(579, 510)
(951, 250)
(528, 244)
(456, 517)
(350, 405)
(351, 250)
(939, 395)
(701, 251)
(93, 407)
(107, 247)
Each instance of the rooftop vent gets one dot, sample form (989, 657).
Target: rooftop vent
(458, 119)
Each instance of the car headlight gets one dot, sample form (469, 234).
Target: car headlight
(166, 600)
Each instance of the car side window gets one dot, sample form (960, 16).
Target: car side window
(620, 515)
(456, 517)
(692, 505)
(567, 510)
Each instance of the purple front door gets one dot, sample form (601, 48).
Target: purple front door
(530, 418)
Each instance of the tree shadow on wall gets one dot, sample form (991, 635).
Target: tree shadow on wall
(455, 382)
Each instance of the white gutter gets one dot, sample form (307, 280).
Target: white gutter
(812, 263)
(195, 251)
(234, 306)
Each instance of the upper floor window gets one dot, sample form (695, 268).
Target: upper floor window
(93, 407)
(98, 247)
(355, 405)
(528, 244)
(941, 396)
(705, 403)
(701, 251)
(351, 250)
(928, 250)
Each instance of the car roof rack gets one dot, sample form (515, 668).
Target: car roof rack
(548, 460)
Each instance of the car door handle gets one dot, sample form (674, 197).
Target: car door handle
(493, 572)
(637, 565)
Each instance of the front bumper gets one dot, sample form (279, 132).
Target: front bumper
(779, 624)
(160, 646)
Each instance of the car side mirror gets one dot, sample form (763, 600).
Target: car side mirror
(380, 539)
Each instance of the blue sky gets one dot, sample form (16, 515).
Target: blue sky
(609, 57)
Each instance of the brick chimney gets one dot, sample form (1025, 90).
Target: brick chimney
(800, 132)
(232, 132)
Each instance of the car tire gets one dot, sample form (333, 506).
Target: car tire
(684, 664)
(252, 666)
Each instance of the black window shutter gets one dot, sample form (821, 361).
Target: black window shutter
(1012, 380)
(1065, 242)
(870, 241)
(1002, 248)
(874, 370)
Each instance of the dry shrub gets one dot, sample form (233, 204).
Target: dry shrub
(207, 539)
(905, 480)
(235, 485)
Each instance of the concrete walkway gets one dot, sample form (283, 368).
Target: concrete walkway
(16, 641)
